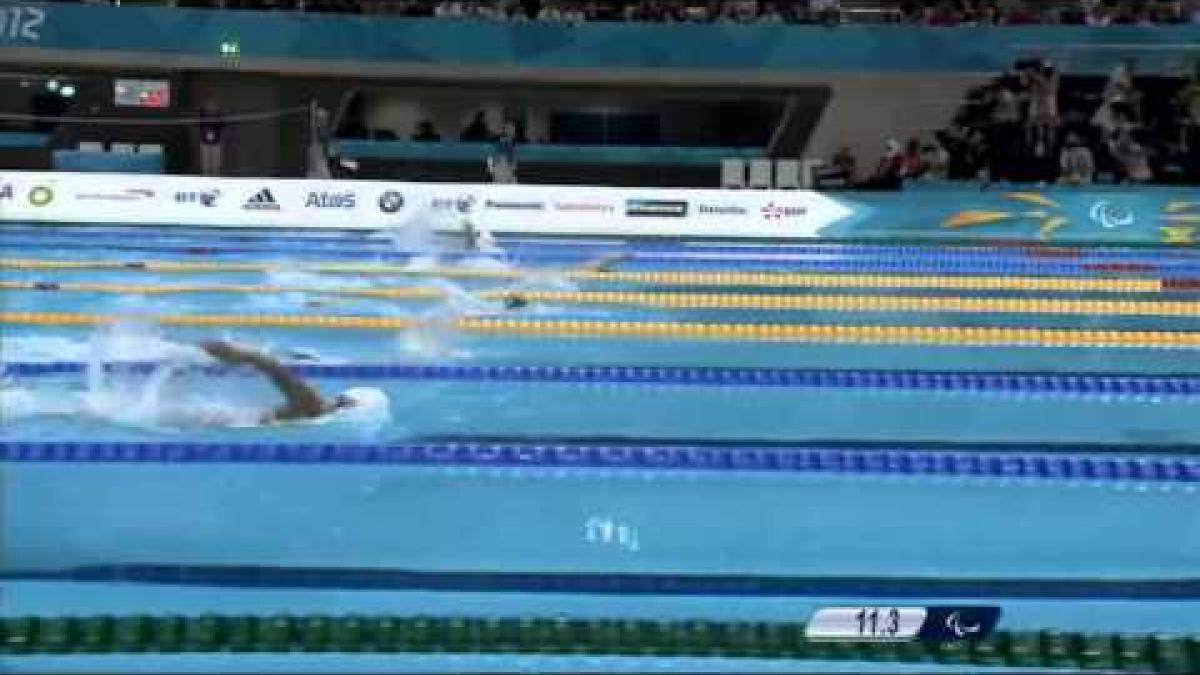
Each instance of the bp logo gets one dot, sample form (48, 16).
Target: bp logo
(41, 196)
(391, 201)
(1110, 216)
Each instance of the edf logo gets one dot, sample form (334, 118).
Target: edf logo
(330, 200)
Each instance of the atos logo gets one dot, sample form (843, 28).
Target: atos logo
(330, 200)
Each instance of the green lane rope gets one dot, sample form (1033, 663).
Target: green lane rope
(134, 634)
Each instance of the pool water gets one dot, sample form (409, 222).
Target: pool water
(763, 412)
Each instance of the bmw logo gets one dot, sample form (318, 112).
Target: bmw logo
(41, 196)
(391, 201)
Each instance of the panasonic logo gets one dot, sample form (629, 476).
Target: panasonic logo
(515, 206)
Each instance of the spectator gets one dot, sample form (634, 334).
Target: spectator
(827, 12)
(889, 173)
(911, 165)
(511, 10)
(574, 15)
(943, 15)
(450, 9)
(502, 163)
(843, 168)
(1006, 139)
(477, 130)
(1076, 163)
(675, 12)
(770, 14)
(1043, 82)
(551, 11)
(989, 15)
(1021, 15)
(212, 137)
(1132, 159)
(426, 133)
(935, 161)
(1120, 99)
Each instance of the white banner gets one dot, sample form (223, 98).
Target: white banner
(369, 205)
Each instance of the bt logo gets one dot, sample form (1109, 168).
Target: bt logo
(207, 199)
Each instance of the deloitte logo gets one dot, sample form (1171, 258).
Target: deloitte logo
(391, 201)
(41, 196)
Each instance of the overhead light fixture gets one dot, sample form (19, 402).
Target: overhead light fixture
(67, 90)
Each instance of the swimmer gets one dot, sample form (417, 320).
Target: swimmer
(513, 301)
(301, 400)
(606, 263)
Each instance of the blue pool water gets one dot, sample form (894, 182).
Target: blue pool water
(1007, 486)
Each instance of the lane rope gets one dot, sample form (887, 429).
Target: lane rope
(591, 637)
(1014, 249)
(831, 262)
(839, 303)
(873, 460)
(741, 332)
(1059, 384)
(680, 278)
(410, 292)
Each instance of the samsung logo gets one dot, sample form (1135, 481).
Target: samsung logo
(706, 210)
(330, 200)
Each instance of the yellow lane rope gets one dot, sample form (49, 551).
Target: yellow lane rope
(835, 333)
(681, 278)
(837, 303)
(153, 289)
(865, 303)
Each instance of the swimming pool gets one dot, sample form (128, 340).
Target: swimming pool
(599, 429)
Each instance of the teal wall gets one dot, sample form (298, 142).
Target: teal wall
(564, 154)
(465, 43)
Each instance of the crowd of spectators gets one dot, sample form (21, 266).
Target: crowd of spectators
(925, 12)
(1119, 129)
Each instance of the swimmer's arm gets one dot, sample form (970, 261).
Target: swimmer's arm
(301, 401)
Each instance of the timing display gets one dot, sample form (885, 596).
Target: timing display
(902, 623)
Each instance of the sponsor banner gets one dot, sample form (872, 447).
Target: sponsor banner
(1153, 215)
(523, 209)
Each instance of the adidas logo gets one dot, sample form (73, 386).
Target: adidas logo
(262, 200)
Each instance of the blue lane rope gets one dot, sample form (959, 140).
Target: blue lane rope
(329, 578)
(517, 243)
(944, 264)
(1086, 384)
(873, 460)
